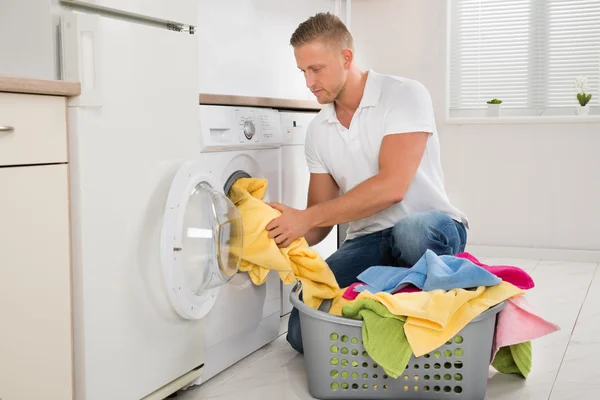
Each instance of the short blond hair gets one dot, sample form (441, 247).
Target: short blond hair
(324, 27)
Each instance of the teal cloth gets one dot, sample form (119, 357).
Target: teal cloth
(514, 359)
(382, 335)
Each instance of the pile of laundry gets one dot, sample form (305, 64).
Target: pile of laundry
(416, 310)
(406, 311)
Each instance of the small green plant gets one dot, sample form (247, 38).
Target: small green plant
(494, 101)
(582, 97)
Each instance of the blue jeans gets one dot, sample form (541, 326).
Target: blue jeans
(401, 246)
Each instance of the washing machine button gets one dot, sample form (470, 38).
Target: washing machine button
(249, 130)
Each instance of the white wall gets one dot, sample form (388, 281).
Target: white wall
(526, 185)
(535, 185)
(26, 39)
(402, 37)
(244, 46)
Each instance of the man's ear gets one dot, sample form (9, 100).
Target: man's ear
(348, 56)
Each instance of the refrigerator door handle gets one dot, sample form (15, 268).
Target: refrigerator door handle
(87, 7)
(81, 57)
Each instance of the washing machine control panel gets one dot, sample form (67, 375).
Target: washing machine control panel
(228, 127)
(257, 125)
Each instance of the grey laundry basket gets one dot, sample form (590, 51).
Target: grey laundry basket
(338, 367)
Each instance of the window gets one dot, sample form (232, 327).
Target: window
(526, 53)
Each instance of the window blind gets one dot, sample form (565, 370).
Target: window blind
(527, 53)
(573, 48)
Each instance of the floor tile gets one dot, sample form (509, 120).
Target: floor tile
(575, 391)
(199, 391)
(580, 364)
(587, 328)
(280, 375)
(560, 290)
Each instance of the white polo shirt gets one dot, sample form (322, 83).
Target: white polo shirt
(390, 105)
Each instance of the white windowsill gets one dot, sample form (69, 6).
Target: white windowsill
(567, 119)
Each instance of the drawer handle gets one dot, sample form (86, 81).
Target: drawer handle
(7, 129)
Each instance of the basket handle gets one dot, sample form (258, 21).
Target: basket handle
(297, 287)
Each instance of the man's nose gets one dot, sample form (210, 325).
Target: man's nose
(310, 80)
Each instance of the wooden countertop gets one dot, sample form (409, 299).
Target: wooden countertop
(268, 102)
(39, 86)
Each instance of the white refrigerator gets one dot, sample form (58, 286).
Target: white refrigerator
(134, 124)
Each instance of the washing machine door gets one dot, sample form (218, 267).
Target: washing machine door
(201, 242)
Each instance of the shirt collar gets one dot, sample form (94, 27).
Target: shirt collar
(370, 98)
(372, 90)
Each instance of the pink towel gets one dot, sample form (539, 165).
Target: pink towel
(409, 289)
(350, 294)
(518, 323)
(514, 275)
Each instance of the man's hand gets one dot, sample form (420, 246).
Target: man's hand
(291, 225)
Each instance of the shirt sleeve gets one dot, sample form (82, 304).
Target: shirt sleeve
(315, 164)
(410, 110)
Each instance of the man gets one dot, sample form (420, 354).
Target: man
(375, 140)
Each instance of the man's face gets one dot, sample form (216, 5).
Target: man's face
(324, 70)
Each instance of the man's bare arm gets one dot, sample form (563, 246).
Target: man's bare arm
(399, 159)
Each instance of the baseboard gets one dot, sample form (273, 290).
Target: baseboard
(534, 253)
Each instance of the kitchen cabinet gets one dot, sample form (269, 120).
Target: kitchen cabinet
(36, 334)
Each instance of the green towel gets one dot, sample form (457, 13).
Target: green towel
(514, 359)
(382, 334)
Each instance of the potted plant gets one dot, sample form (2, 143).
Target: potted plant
(494, 107)
(582, 97)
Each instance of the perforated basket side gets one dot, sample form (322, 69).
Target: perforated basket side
(338, 367)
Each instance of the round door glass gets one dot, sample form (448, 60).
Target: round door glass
(212, 239)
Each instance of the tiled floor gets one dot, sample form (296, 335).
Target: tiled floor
(564, 366)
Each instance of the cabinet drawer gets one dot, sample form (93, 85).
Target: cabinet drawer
(35, 284)
(40, 129)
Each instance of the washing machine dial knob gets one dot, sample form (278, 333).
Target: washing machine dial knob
(249, 130)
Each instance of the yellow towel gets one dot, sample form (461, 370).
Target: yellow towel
(260, 254)
(437, 316)
(338, 302)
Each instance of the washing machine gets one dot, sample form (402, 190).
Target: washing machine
(238, 142)
(295, 180)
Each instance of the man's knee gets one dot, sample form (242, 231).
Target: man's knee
(432, 230)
